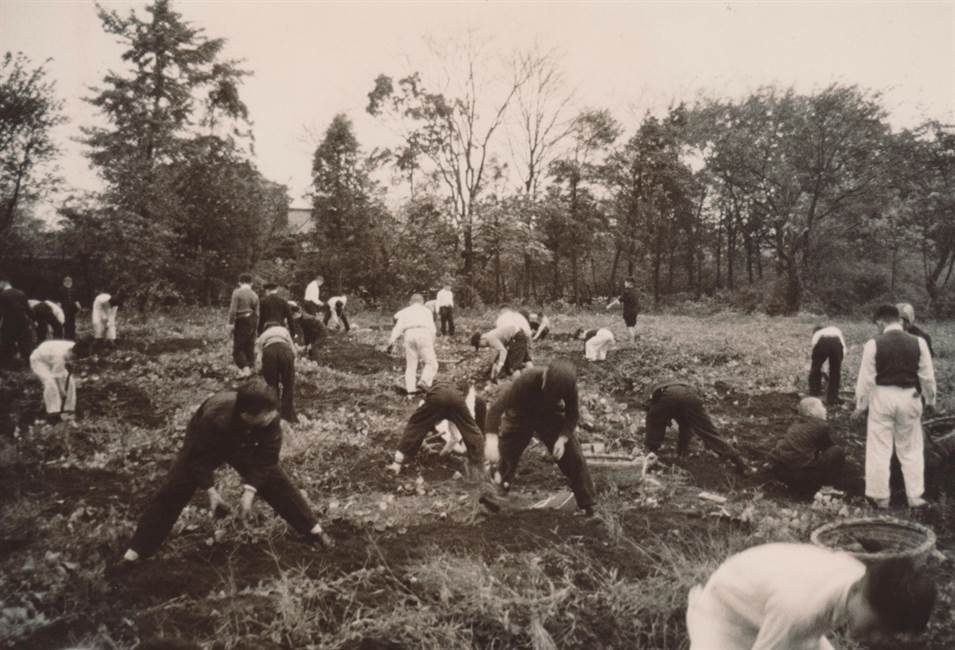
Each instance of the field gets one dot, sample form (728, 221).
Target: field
(412, 569)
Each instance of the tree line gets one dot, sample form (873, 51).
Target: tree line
(495, 177)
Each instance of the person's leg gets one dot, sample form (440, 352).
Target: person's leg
(512, 442)
(69, 325)
(420, 423)
(111, 325)
(451, 321)
(878, 446)
(831, 463)
(277, 490)
(52, 397)
(411, 361)
(456, 412)
(287, 379)
(270, 367)
(695, 418)
(69, 390)
(327, 311)
(572, 464)
(343, 317)
(244, 342)
(430, 359)
(835, 373)
(819, 355)
(910, 443)
(604, 349)
(99, 326)
(163, 510)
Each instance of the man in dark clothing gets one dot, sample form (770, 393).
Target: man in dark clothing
(828, 346)
(244, 317)
(275, 352)
(541, 402)
(46, 320)
(335, 312)
(71, 306)
(275, 309)
(630, 299)
(16, 330)
(807, 457)
(676, 400)
(907, 312)
(239, 428)
(464, 411)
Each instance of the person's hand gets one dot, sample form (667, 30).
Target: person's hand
(929, 410)
(492, 451)
(857, 415)
(248, 496)
(559, 444)
(394, 468)
(217, 506)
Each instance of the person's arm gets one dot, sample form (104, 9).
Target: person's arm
(785, 626)
(571, 414)
(926, 373)
(397, 330)
(233, 307)
(544, 324)
(200, 450)
(498, 346)
(495, 412)
(614, 303)
(866, 379)
(264, 455)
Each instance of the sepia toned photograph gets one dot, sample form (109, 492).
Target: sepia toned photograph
(439, 325)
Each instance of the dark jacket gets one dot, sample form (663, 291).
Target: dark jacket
(804, 439)
(14, 309)
(526, 400)
(915, 330)
(273, 308)
(217, 435)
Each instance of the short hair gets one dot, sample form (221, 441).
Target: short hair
(117, 299)
(906, 311)
(561, 378)
(901, 594)
(812, 407)
(245, 278)
(476, 340)
(83, 346)
(417, 299)
(268, 286)
(578, 332)
(886, 313)
(255, 396)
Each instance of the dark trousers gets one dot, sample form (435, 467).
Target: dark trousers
(443, 404)
(243, 341)
(516, 435)
(518, 354)
(682, 404)
(165, 506)
(340, 312)
(15, 338)
(278, 369)
(313, 334)
(446, 314)
(69, 325)
(827, 349)
(807, 480)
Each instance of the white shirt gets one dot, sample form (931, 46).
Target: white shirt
(57, 311)
(52, 354)
(102, 310)
(783, 596)
(332, 302)
(445, 298)
(432, 306)
(410, 317)
(867, 372)
(312, 292)
(509, 323)
(831, 331)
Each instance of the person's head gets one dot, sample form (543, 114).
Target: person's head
(894, 596)
(295, 309)
(628, 283)
(67, 282)
(270, 287)
(446, 286)
(82, 347)
(255, 403)
(117, 299)
(560, 379)
(319, 280)
(580, 333)
(417, 299)
(886, 315)
(477, 340)
(812, 407)
(245, 278)
(907, 312)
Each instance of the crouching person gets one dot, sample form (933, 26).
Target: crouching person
(792, 595)
(597, 343)
(47, 318)
(807, 458)
(275, 353)
(239, 428)
(465, 413)
(541, 402)
(510, 339)
(51, 362)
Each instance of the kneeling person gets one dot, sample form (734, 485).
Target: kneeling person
(807, 458)
(239, 428)
(275, 352)
(541, 402)
(597, 342)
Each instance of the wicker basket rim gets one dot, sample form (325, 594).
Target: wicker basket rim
(922, 548)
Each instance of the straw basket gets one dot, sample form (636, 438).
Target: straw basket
(877, 538)
(622, 471)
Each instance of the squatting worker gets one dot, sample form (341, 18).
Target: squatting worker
(807, 456)
(630, 299)
(465, 413)
(275, 354)
(416, 324)
(239, 428)
(542, 403)
(674, 399)
(896, 374)
(829, 347)
(243, 319)
(597, 342)
(48, 318)
(789, 596)
(510, 339)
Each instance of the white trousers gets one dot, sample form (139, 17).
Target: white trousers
(419, 345)
(596, 347)
(104, 324)
(59, 395)
(712, 627)
(895, 417)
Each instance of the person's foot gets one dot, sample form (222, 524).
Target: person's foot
(881, 504)
(320, 539)
(585, 512)
(917, 502)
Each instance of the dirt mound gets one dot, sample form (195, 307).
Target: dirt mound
(114, 399)
(342, 353)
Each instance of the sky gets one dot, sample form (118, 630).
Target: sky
(312, 60)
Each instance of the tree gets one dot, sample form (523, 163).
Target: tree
(29, 110)
(176, 85)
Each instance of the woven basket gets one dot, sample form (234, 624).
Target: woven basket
(876, 538)
(619, 470)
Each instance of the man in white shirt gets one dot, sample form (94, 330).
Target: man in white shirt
(510, 338)
(335, 312)
(789, 596)
(313, 303)
(50, 362)
(444, 301)
(895, 376)
(597, 342)
(105, 307)
(416, 324)
(828, 346)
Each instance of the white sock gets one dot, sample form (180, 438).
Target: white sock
(316, 529)
(130, 555)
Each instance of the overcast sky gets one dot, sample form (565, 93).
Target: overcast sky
(311, 60)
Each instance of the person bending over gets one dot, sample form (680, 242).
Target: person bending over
(510, 339)
(807, 457)
(597, 342)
